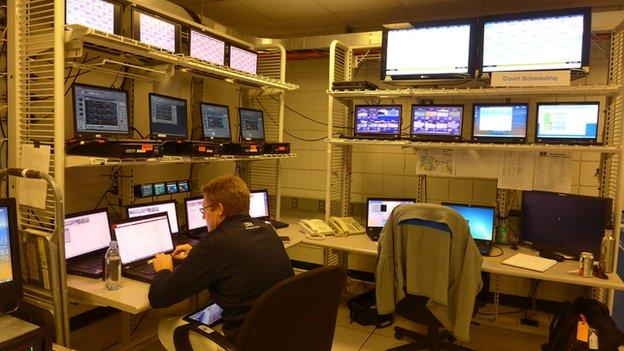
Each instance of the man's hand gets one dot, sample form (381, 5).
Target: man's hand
(162, 261)
(181, 251)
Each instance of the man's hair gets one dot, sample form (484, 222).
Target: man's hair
(229, 191)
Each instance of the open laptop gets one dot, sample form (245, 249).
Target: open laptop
(259, 208)
(376, 122)
(194, 219)
(168, 206)
(87, 236)
(139, 239)
(377, 212)
(481, 222)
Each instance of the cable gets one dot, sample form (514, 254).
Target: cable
(138, 132)
(285, 131)
(139, 322)
(306, 117)
(103, 196)
(498, 255)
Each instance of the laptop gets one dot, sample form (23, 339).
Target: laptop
(139, 239)
(87, 237)
(481, 223)
(215, 123)
(377, 212)
(168, 206)
(196, 224)
(376, 122)
(437, 122)
(259, 208)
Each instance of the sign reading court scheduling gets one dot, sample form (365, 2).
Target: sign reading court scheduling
(531, 79)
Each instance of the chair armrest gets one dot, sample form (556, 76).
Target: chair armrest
(218, 339)
(182, 341)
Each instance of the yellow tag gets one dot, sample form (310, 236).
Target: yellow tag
(582, 331)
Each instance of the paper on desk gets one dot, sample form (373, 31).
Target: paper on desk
(32, 192)
(439, 162)
(553, 172)
(477, 163)
(515, 170)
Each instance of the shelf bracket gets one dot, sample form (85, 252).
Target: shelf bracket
(156, 73)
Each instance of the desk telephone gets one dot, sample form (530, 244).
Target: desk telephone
(346, 226)
(315, 228)
(340, 226)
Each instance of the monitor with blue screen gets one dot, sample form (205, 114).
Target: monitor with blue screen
(435, 122)
(480, 219)
(500, 122)
(567, 122)
(10, 276)
(382, 120)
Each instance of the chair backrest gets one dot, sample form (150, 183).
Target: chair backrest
(298, 313)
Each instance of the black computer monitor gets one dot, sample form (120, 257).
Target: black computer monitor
(564, 222)
(215, 122)
(381, 120)
(437, 122)
(441, 49)
(206, 47)
(567, 122)
(10, 268)
(102, 15)
(505, 123)
(100, 111)
(156, 31)
(243, 60)
(167, 117)
(545, 40)
(251, 124)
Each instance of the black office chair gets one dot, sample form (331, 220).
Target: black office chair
(298, 313)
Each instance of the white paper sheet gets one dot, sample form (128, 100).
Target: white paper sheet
(477, 163)
(553, 172)
(515, 170)
(32, 192)
(440, 162)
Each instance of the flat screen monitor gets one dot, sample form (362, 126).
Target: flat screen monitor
(480, 219)
(102, 15)
(243, 60)
(546, 40)
(158, 207)
(379, 209)
(10, 268)
(100, 111)
(207, 48)
(429, 50)
(167, 117)
(377, 120)
(86, 232)
(155, 31)
(215, 122)
(259, 203)
(565, 223)
(567, 122)
(194, 217)
(431, 122)
(251, 124)
(500, 122)
(143, 237)
(159, 189)
(183, 186)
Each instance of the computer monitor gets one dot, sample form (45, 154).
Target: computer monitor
(567, 122)
(437, 122)
(10, 268)
(159, 189)
(102, 15)
(100, 111)
(480, 219)
(243, 60)
(545, 40)
(155, 31)
(194, 217)
(383, 120)
(156, 207)
(443, 49)
(565, 223)
(215, 122)
(259, 203)
(251, 124)
(500, 122)
(379, 209)
(183, 186)
(207, 48)
(167, 117)
(86, 232)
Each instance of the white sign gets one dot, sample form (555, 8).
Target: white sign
(531, 79)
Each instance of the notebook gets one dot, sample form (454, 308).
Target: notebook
(481, 223)
(195, 221)
(377, 212)
(259, 208)
(139, 239)
(156, 207)
(533, 263)
(87, 236)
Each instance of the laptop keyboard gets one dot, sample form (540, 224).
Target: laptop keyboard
(484, 247)
(145, 269)
(93, 263)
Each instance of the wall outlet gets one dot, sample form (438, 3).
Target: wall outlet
(294, 203)
(321, 205)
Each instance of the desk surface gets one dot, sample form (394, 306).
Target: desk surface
(132, 296)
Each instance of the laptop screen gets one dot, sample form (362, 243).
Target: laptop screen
(251, 124)
(259, 204)
(143, 238)
(437, 120)
(85, 233)
(100, 110)
(194, 217)
(167, 206)
(378, 210)
(480, 220)
(167, 116)
(378, 119)
(215, 121)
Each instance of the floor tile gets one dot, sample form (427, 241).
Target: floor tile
(347, 339)
(342, 320)
(380, 342)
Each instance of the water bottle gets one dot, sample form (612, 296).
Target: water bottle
(607, 249)
(112, 267)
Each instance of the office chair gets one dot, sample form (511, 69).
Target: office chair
(299, 313)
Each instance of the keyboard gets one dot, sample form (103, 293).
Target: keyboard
(90, 263)
(484, 247)
(145, 269)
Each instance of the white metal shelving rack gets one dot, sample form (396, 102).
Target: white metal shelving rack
(339, 151)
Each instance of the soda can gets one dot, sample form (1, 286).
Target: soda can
(586, 264)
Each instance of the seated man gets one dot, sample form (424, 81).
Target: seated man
(239, 259)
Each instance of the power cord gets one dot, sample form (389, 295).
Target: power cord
(138, 132)
(285, 131)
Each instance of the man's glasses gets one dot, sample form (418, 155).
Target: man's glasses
(203, 209)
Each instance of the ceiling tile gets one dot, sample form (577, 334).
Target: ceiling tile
(337, 6)
(278, 9)
(264, 29)
(229, 11)
(310, 21)
(374, 18)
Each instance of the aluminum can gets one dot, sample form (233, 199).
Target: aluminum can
(586, 264)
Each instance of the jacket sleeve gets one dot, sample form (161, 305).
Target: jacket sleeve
(385, 271)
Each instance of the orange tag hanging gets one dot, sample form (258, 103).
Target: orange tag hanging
(582, 330)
